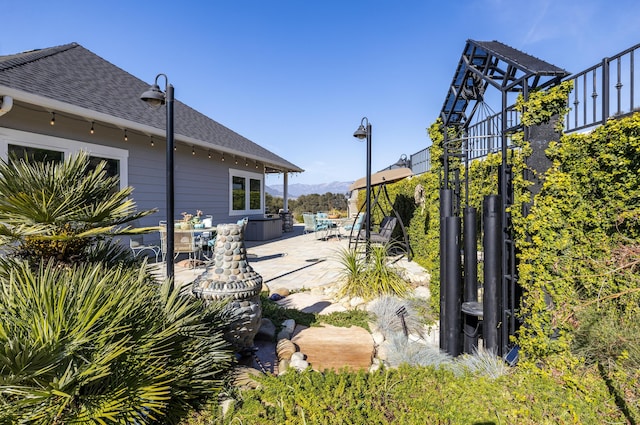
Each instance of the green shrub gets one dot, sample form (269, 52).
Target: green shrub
(346, 319)
(419, 395)
(272, 311)
(97, 345)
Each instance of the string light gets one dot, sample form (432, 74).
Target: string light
(256, 165)
(92, 130)
(126, 138)
(222, 159)
(236, 161)
(246, 163)
(209, 154)
(175, 148)
(152, 143)
(193, 150)
(53, 119)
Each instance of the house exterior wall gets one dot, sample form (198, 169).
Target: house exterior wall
(201, 183)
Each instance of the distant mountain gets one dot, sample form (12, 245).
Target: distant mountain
(299, 189)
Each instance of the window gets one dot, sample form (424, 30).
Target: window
(34, 154)
(246, 193)
(40, 147)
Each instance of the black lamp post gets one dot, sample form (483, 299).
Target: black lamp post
(364, 131)
(156, 98)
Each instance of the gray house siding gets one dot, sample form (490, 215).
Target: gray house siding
(201, 183)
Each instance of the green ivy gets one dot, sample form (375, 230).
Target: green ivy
(587, 210)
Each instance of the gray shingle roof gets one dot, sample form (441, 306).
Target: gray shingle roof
(77, 76)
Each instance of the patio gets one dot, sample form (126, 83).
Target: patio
(297, 261)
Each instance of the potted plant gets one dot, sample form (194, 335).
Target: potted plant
(186, 221)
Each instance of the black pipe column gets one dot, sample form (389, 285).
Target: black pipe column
(470, 325)
(492, 297)
(446, 210)
(450, 277)
(453, 284)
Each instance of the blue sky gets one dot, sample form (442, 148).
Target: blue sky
(297, 76)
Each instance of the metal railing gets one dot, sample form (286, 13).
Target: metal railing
(606, 90)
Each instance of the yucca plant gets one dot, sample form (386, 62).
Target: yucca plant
(59, 211)
(372, 277)
(90, 344)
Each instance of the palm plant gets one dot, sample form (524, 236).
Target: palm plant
(106, 346)
(61, 210)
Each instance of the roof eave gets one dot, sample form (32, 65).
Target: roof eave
(91, 115)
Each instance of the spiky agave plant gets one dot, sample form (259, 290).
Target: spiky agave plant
(104, 347)
(59, 211)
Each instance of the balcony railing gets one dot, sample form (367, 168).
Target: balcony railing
(606, 90)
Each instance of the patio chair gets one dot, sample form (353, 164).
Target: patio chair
(311, 224)
(185, 242)
(243, 222)
(356, 225)
(137, 245)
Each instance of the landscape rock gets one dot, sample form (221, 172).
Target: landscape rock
(298, 356)
(331, 347)
(267, 330)
(298, 364)
(285, 349)
(422, 292)
(356, 301)
(288, 326)
(283, 292)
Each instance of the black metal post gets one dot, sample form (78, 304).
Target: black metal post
(361, 133)
(492, 298)
(453, 319)
(470, 277)
(156, 98)
(368, 199)
(446, 210)
(170, 185)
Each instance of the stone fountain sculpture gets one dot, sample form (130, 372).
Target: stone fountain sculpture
(232, 278)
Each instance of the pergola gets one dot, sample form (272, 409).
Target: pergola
(483, 65)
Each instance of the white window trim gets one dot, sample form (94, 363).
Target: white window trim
(67, 146)
(247, 175)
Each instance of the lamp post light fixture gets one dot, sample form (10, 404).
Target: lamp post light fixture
(156, 98)
(364, 132)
